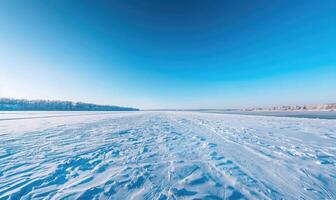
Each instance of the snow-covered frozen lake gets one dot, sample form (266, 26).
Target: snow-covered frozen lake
(165, 155)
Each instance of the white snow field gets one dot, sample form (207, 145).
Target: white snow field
(165, 155)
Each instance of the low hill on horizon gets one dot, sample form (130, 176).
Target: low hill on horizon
(9, 104)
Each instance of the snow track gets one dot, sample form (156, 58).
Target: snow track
(165, 155)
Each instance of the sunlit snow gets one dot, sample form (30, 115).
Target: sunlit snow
(165, 155)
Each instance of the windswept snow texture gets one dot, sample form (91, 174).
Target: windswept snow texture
(165, 155)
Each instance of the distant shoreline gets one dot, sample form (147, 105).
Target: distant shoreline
(7, 104)
(296, 108)
(296, 114)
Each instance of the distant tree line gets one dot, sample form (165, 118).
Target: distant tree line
(320, 107)
(45, 105)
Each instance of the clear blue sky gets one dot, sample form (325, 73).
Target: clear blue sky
(170, 54)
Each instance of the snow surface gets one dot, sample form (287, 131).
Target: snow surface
(165, 155)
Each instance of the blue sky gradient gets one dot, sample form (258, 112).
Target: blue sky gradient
(170, 54)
